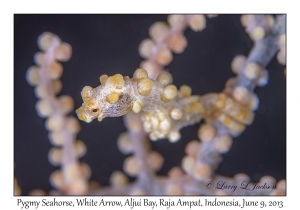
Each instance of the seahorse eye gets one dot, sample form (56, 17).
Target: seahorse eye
(95, 110)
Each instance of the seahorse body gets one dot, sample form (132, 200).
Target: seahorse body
(164, 110)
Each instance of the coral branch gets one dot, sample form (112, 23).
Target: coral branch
(63, 129)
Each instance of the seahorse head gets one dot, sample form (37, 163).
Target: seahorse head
(110, 99)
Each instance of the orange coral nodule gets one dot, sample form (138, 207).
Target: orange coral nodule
(103, 79)
(140, 74)
(91, 103)
(86, 92)
(170, 92)
(144, 87)
(244, 116)
(185, 90)
(116, 80)
(196, 107)
(112, 98)
(221, 101)
(163, 79)
(230, 123)
(80, 114)
(100, 117)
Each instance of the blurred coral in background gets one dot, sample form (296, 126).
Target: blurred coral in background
(195, 84)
